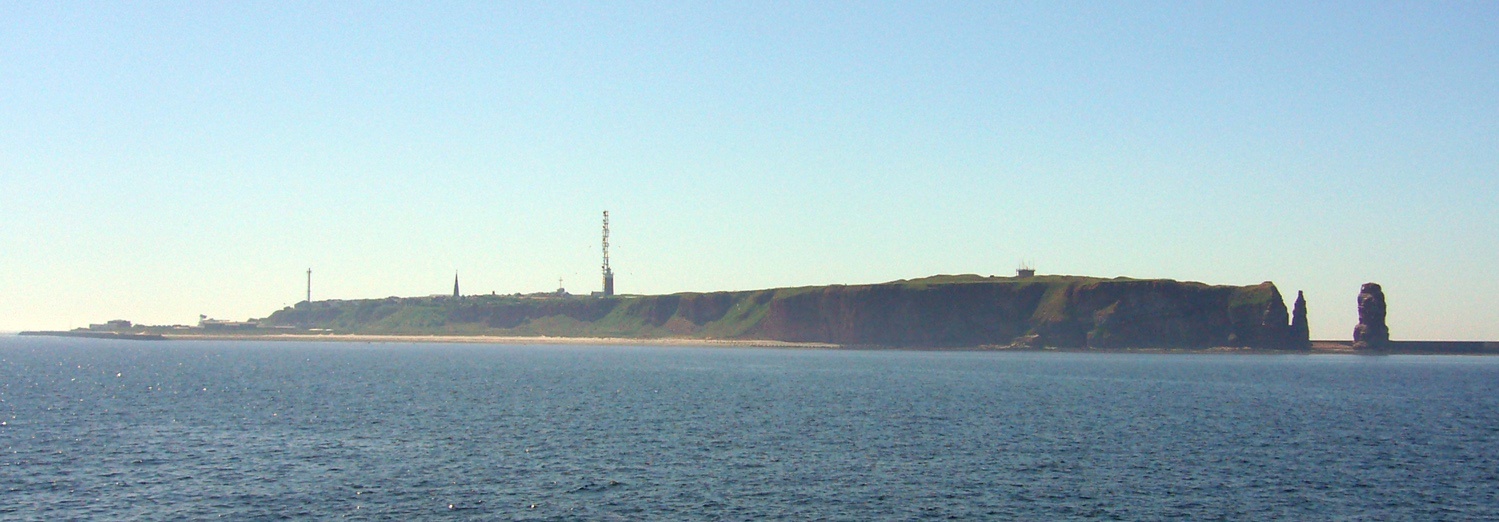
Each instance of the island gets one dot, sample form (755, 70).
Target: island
(940, 312)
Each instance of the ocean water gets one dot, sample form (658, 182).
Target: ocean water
(107, 430)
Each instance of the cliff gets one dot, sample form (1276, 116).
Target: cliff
(941, 311)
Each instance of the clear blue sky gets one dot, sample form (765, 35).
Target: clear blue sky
(162, 160)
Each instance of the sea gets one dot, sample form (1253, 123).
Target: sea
(94, 429)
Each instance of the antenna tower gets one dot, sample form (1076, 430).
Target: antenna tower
(608, 272)
(309, 287)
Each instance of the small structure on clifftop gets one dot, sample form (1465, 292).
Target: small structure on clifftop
(1301, 332)
(1025, 270)
(1371, 331)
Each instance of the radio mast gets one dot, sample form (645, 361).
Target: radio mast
(608, 272)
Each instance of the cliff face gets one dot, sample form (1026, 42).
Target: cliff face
(1069, 314)
(901, 315)
(944, 311)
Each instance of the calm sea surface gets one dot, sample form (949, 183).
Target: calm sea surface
(98, 429)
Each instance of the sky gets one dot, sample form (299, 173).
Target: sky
(164, 160)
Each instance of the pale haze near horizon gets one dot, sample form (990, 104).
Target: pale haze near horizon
(164, 160)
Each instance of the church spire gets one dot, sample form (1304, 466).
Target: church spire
(455, 285)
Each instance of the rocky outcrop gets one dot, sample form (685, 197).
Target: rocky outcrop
(1371, 332)
(1301, 332)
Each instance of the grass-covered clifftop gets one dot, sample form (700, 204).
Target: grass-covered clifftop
(938, 311)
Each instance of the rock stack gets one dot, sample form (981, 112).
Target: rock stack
(1301, 333)
(1371, 332)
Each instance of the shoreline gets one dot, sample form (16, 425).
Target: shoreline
(499, 339)
(1319, 347)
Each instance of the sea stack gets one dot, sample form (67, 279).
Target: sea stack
(1301, 333)
(1371, 332)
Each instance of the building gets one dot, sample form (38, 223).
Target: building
(1025, 271)
(117, 324)
(215, 324)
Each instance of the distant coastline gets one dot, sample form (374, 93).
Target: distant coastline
(947, 312)
(90, 334)
(938, 312)
(1319, 347)
(492, 339)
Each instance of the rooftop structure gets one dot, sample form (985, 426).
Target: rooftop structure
(117, 324)
(216, 324)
